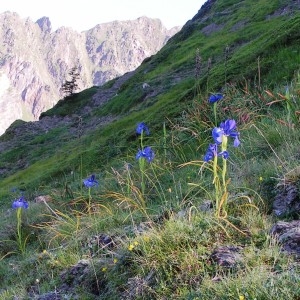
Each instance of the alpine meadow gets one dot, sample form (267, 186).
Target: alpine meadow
(178, 180)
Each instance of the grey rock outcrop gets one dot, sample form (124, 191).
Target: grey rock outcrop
(286, 205)
(226, 256)
(34, 61)
(287, 200)
(288, 236)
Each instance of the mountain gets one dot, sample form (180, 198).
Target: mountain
(30, 81)
(202, 204)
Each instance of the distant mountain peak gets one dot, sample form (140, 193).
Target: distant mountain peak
(44, 24)
(35, 61)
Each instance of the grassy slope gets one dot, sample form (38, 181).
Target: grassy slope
(171, 72)
(56, 162)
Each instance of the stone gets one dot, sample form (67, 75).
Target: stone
(43, 198)
(226, 256)
(206, 206)
(288, 236)
(287, 200)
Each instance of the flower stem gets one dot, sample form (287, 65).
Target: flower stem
(142, 164)
(21, 245)
(142, 169)
(215, 112)
(216, 181)
(141, 139)
(224, 173)
(90, 201)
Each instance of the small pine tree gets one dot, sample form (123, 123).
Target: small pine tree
(70, 86)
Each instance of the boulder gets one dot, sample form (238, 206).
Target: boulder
(226, 256)
(288, 236)
(287, 200)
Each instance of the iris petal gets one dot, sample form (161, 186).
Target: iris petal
(20, 203)
(236, 142)
(146, 153)
(90, 181)
(224, 154)
(211, 152)
(215, 98)
(141, 128)
(228, 126)
(217, 134)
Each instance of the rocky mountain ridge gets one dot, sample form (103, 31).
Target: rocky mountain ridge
(34, 61)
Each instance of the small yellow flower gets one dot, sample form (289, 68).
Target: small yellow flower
(104, 269)
(43, 255)
(130, 247)
(146, 238)
(115, 260)
(241, 297)
(260, 178)
(135, 243)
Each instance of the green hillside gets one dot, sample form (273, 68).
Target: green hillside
(189, 222)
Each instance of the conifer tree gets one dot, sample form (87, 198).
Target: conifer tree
(69, 87)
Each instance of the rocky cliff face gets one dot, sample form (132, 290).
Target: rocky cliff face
(34, 61)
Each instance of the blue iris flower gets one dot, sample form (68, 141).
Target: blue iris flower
(227, 128)
(215, 98)
(142, 128)
(224, 154)
(146, 153)
(217, 134)
(90, 181)
(212, 151)
(20, 203)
